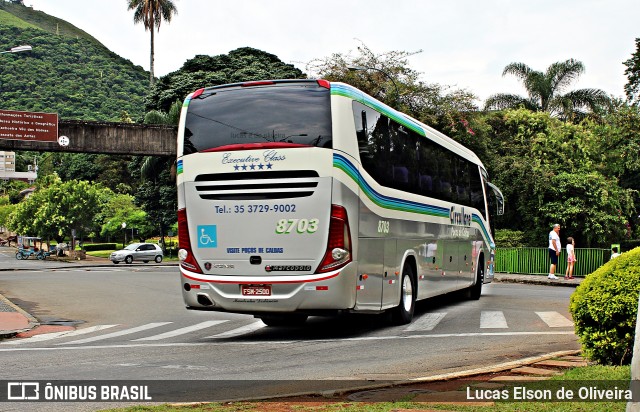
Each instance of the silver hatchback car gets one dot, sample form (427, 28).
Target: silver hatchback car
(145, 252)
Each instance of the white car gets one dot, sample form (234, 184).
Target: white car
(145, 252)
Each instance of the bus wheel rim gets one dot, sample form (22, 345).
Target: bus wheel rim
(407, 294)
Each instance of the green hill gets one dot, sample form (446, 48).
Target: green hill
(12, 14)
(68, 71)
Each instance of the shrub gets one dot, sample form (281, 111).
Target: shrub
(604, 309)
(509, 238)
(99, 246)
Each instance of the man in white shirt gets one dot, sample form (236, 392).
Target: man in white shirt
(554, 250)
(614, 253)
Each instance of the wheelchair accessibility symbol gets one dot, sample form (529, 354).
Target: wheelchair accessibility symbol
(207, 236)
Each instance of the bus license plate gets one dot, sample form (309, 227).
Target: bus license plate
(256, 290)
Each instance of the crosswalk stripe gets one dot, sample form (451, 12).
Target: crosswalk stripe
(492, 319)
(426, 322)
(554, 319)
(182, 331)
(119, 333)
(239, 331)
(54, 335)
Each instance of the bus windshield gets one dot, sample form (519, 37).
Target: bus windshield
(283, 113)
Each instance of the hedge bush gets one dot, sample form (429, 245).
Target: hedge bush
(99, 246)
(604, 309)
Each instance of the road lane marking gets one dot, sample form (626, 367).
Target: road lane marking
(280, 342)
(239, 331)
(181, 331)
(492, 319)
(426, 322)
(54, 335)
(116, 334)
(554, 319)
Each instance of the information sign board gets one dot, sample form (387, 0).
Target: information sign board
(42, 127)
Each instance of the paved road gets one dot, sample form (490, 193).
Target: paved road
(131, 324)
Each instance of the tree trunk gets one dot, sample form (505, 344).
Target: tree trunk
(152, 57)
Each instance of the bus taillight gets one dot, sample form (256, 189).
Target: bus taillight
(185, 254)
(197, 93)
(338, 251)
(324, 83)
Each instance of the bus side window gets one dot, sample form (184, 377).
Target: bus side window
(361, 132)
(401, 175)
(426, 184)
(477, 195)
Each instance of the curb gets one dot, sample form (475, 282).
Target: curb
(501, 367)
(532, 281)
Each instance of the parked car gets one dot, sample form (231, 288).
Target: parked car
(145, 252)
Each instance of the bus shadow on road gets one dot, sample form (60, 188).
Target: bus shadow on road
(345, 325)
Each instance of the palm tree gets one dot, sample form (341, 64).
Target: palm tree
(545, 91)
(151, 13)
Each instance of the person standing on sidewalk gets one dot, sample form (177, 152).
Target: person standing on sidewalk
(614, 253)
(571, 258)
(554, 250)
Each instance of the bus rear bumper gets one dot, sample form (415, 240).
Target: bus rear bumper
(333, 291)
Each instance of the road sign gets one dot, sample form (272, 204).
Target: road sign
(42, 127)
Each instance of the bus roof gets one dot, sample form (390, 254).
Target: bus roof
(346, 90)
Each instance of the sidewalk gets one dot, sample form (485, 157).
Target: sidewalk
(14, 320)
(536, 280)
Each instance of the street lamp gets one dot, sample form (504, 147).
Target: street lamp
(17, 49)
(365, 68)
(124, 226)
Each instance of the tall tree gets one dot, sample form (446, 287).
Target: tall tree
(546, 89)
(553, 172)
(58, 209)
(388, 77)
(240, 65)
(632, 88)
(151, 13)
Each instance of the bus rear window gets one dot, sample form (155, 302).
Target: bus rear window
(298, 114)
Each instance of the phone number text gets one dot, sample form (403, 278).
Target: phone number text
(283, 208)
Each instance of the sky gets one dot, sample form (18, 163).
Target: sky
(464, 44)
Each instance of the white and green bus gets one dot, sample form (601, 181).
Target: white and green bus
(308, 197)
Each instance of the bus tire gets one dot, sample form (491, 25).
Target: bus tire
(403, 313)
(284, 320)
(475, 290)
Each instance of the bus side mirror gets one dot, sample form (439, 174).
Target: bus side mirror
(499, 199)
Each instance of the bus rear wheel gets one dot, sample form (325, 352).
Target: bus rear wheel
(284, 320)
(475, 290)
(403, 313)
